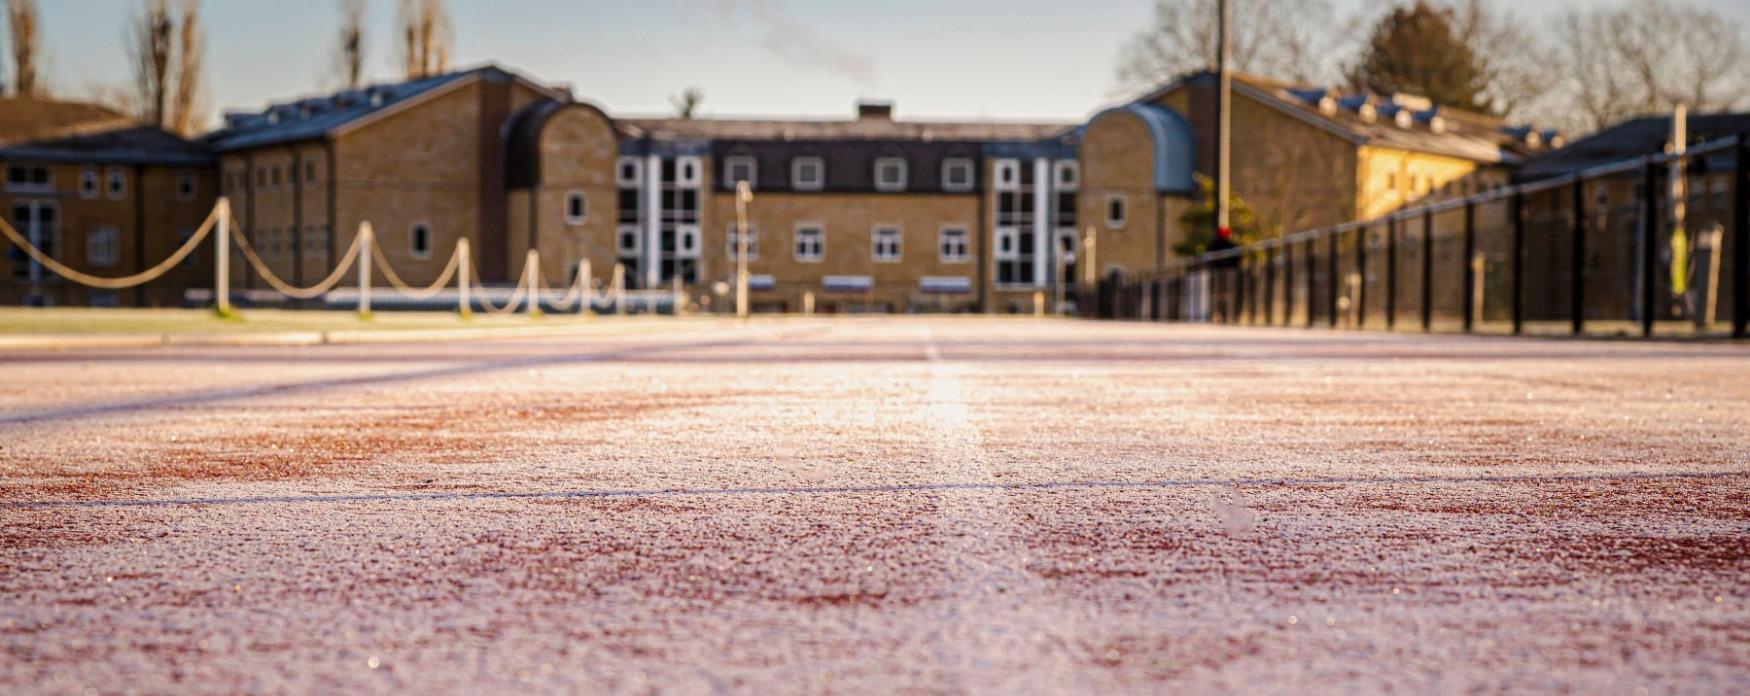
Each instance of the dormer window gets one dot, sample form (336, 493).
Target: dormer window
(117, 183)
(807, 174)
(957, 174)
(890, 174)
(1068, 175)
(738, 169)
(1404, 119)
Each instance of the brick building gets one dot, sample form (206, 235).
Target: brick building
(869, 213)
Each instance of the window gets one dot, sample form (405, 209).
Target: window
(273, 176)
(689, 171)
(957, 174)
(627, 241)
(101, 247)
(1115, 211)
(576, 208)
(953, 245)
(118, 182)
(628, 172)
(688, 241)
(39, 222)
(185, 187)
(890, 174)
(28, 177)
(419, 240)
(753, 242)
(1008, 175)
(807, 174)
(310, 171)
(88, 182)
(886, 241)
(809, 243)
(739, 169)
(1069, 175)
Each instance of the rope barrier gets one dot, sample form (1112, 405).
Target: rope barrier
(95, 281)
(516, 298)
(565, 302)
(288, 289)
(409, 291)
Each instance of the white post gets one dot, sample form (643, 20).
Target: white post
(586, 281)
(222, 260)
(680, 297)
(808, 304)
(464, 306)
(743, 194)
(366, 245)
(1479, 265)
(620, 289)
(531, 279)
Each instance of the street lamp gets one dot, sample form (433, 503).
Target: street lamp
(743, 195)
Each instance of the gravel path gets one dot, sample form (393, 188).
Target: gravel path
(880, 505)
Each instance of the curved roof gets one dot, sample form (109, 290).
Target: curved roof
(1171, 136)
(523, 139)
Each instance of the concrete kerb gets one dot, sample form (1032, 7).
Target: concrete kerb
(54, 342)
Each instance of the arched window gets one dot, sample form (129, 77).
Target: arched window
(419, 240)
(576, 208)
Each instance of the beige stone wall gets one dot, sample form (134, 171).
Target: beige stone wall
(1390, 179)
(848, 221)
(578, 150)
(1117, 156)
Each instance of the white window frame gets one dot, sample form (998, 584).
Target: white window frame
(637, 172)
(819, 235)
(952, 163)
(1006, 175)
(753, 170)
(185, 187)
(576, 195)
(48, 185)
(875, 235)
(796, 182)
(1123, 211)
(115, 183)
(107, 239)
(687, 241)
(624, 232)
(688, 171)
(1013, 236)
(753, 242)
(904, 174)
(1066, 175)
(413, 240)
(965, 235)
(90, 184)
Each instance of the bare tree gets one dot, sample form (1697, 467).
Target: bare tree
(150, 42)
(686, 104)
(1513, 62)
(1290, 39)
(186, 106)
(351, 53)
(1645, 57)
(425, 37)
(26, 47)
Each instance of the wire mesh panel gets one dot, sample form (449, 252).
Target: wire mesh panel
(1612, 264)
(1446, 272)
(1493, 221)
(1348, 279)
(1376, 276)
(1707, 270)
(1409, 272)
(1318, 275)
(1548, 260)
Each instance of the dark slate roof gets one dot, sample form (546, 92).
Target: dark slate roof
(124, 145)
(316, 117)
(23, 120)
(850, 164)
(837, 129)
(1631, 139)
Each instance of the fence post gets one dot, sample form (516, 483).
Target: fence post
(1333, 281)
(1311, 263)
(1428, 270)
(464, 305)
(531, 278)
(222, 260)
(1649, 270)
(1391, 273)
(1287, 283)
(1469, 265)
(1270, 256)
(1741, 239)
(1518, 263)
(1577, 283)
(364, 261)
(1361, 272)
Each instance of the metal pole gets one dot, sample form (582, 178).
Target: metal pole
(1518, 262)
(1649, 241)
(1270, 260)
(1741, 240)
(1332, 280)
(1224, 105)
(1428, 270)
(1287, 283)
(1361, 272)
(1577, 283)
(531, 276)
(1311, 260)
(222, 260)
(1391, 273)
(1469, 268)
(364, 262)
(743, 194)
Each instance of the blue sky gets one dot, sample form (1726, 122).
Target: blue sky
(1024, 59)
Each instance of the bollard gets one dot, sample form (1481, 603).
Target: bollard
(464, 307)
(808, 304)
(1479, 264)
(586, 281)
(531, 277)
(222, 261)
(620, 289)
(680, 296)
(1038, 304)
(364, 261)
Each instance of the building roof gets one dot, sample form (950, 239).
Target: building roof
(127, 144)
(318, 117)
(864, 128)
(23, 119)
(1399, 121)
(1631, 139)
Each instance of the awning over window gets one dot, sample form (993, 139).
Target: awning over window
(945, 284)
(847, 283)
(761, 282)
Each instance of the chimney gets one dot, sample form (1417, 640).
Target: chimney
(874, 111)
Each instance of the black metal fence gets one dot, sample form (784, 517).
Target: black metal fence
(1596, 253)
